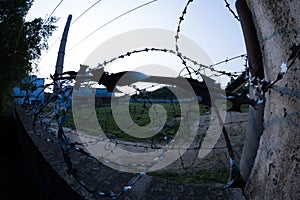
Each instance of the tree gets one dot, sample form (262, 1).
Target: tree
(21, 44)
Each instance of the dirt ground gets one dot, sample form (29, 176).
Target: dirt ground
(190, 161)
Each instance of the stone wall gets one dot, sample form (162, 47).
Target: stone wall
(276, 172)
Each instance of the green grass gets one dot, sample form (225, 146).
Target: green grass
(70, 121)
(244, 107)
(202, 177)
(139, 114)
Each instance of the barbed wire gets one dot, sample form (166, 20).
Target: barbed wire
(224, 131)
(164, 50)
(262, 86)
(181, 19)
(102, 26)
(184, 58)
(61, 107)
(66, 144)
(231, 11)
(152, 146)
(177, 53)
(59, 116)
(211, 67)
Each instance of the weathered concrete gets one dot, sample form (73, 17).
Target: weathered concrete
(38, 164)
(276, 172)
(255, 118)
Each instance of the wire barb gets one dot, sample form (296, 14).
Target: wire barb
(61, 104)
(230, 10)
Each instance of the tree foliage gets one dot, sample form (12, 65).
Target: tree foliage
(21, 43)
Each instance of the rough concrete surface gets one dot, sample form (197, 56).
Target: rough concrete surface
(276, 172)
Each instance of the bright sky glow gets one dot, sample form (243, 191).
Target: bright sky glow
(208, 23)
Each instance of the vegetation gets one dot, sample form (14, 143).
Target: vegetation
(244, 107)
(21, 44)
(162, 93)
(203, 177)
(139, 113)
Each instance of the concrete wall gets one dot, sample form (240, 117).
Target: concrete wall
(276, 172)
(49, 183)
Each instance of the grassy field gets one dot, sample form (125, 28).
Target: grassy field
(202, 177)
(139, 113)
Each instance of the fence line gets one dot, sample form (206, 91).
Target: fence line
(59, 112)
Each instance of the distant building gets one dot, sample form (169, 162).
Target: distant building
(102, 92)
(31, 91)
(103, 96)
(86, 95)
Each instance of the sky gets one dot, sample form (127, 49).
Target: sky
(208, 23)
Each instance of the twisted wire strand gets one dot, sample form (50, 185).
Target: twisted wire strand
(231, 11)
